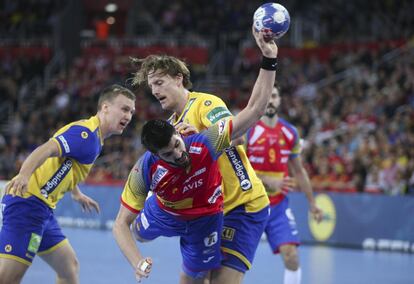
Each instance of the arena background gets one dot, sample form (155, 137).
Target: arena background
(346, 69)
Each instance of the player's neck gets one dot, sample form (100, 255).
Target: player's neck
(182, 101)
(270, 121)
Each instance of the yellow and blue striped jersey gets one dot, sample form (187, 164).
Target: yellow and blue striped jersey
(80, 143)
(240, 183)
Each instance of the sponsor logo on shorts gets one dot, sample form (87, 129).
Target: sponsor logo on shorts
(211, 239)
(208, 259)
(228, 233)
(144, 221)
(34, 243)
(239, 168)
(217, 114)
(55, 180)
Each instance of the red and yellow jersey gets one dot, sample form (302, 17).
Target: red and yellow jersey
(188, 193)
(80, 143)
(270, 148)
(241, 186)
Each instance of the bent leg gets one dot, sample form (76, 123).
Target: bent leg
(63, 260)
(11, 271)
(226, 275)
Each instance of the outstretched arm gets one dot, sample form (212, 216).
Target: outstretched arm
(262, 90)
(126, 242)
(18, 185)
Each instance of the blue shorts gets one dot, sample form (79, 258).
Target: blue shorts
(29, 228)
(281, 228)
(241, 236)
(199, 238)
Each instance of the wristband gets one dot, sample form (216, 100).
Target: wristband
(269, 63)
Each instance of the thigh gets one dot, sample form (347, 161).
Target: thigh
(62, 259)
(153, 222)
(200, 246)
(281, 228)
(11, 270)
(241, 235)
(24, 221)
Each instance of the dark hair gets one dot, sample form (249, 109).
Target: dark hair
(113, 91)
(156, 134)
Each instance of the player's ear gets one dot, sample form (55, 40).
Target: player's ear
(179, 79)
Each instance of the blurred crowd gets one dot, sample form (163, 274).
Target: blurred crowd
(354, 110)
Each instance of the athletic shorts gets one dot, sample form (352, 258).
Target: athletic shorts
(241, 236)
(281, 227)
(199, 238)
(29, 228)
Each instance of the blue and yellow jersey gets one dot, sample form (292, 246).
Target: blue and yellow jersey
(80, 143)
(240, 183)
(186, 192)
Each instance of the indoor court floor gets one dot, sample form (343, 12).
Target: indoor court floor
(102, 263)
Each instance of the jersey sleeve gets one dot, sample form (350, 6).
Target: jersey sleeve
(135, 191)
(296, 145)
(219, 135)
(79, 143)
(212, 110)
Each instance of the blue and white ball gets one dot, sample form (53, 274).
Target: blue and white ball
(273, 19)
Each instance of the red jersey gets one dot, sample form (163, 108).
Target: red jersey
(270, 148)
(189, 193)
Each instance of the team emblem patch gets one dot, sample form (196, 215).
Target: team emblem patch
(84, 134)
(207, 103)
(8, 248)
(228, 234)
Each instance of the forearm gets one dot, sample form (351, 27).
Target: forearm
(38, 157)
(305, 185)
(256, 105)
(126, 243)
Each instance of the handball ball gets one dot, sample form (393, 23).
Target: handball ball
(273, 19)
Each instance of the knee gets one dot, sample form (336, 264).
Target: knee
(71, 271)
(291, 259)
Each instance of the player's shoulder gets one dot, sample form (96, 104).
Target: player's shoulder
(205, 99)
(287, 128)
(84, 126)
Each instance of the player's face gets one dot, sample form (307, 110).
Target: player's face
(118, 114)
(166, 89)
(273, 104)
(175, 153)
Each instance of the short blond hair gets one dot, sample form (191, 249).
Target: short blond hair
(113, 91)
(165, 64)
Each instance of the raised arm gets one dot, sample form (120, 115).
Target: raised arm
(262, 89)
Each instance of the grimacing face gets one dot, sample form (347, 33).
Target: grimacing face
(273, 104)
(165, 88)
(175, 152)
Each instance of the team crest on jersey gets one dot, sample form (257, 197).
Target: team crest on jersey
(159, 173)
(207, 103)
(84, 134)
(282, 142)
